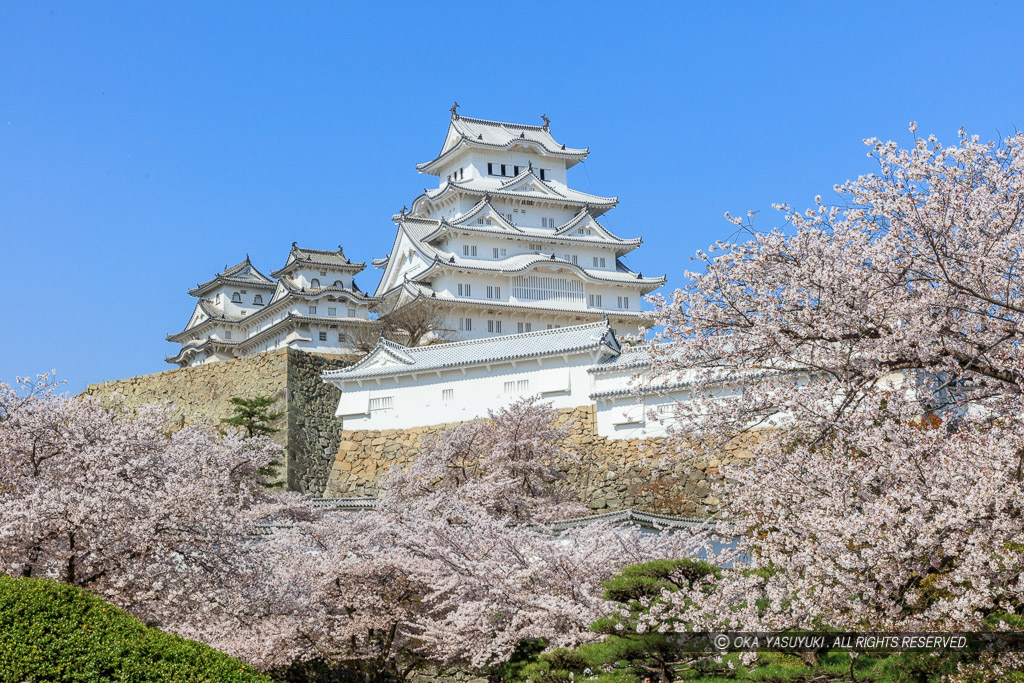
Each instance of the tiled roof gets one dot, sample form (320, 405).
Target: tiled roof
(243, 274)
(687, 383)
(549, 192)
(478, 351)
(299, 256)
(627, 360)
(420, 229)
(627, 517)
(506, 228)
(521, 263)
(424, 292)
(499, 135)
(317, 292)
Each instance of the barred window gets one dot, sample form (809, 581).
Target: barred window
(382, 403)
(545, 288)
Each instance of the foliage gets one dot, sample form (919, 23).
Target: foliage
(150, 518)
(869, 358)
(629, 652)
(636, 589)
(51, 631)
(253, 415)
(456, 566)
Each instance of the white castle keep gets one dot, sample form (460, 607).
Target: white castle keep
(502, 246)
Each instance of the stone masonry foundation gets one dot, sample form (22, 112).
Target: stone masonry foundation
(309, 432)
(611, 473)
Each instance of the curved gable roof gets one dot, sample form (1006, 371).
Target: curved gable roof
(464, 131)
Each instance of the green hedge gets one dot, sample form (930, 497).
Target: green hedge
(54, 632)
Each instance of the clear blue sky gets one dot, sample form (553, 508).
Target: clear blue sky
(143, 146)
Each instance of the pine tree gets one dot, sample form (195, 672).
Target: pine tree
(253, 415)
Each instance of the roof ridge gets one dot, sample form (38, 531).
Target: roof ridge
(318, 251)
(526, 126)
(520, 335)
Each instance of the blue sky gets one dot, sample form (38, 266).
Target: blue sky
(143, 146)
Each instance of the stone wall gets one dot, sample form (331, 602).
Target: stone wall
(611, 473)
(308, 431)
(313, 430)
(323, 460)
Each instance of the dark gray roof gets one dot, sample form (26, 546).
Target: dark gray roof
(243, 274)
(300, 256)
(404, 360)
(464, 130)
(625, 517)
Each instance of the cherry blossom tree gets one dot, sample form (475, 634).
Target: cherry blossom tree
(116, 503)
(457, 565)
(869, 356)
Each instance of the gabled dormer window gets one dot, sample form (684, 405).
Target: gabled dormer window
(314, 283)
(236, 298)
(257, 300)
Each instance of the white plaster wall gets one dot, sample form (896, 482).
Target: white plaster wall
(474, 164)
(418, 401)
(304, 277)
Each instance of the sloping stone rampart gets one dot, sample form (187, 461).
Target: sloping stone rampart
(308, 430)
(644, 474)
(324, 460)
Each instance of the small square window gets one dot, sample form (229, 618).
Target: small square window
(447, 395)
(312, 310)
(351, 312)
(323, 336)
(332, 310)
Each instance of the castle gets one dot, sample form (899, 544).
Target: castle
(502, 246)
(505, 265)
(314, 305)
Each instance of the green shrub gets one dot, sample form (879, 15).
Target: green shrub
(55, 632)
